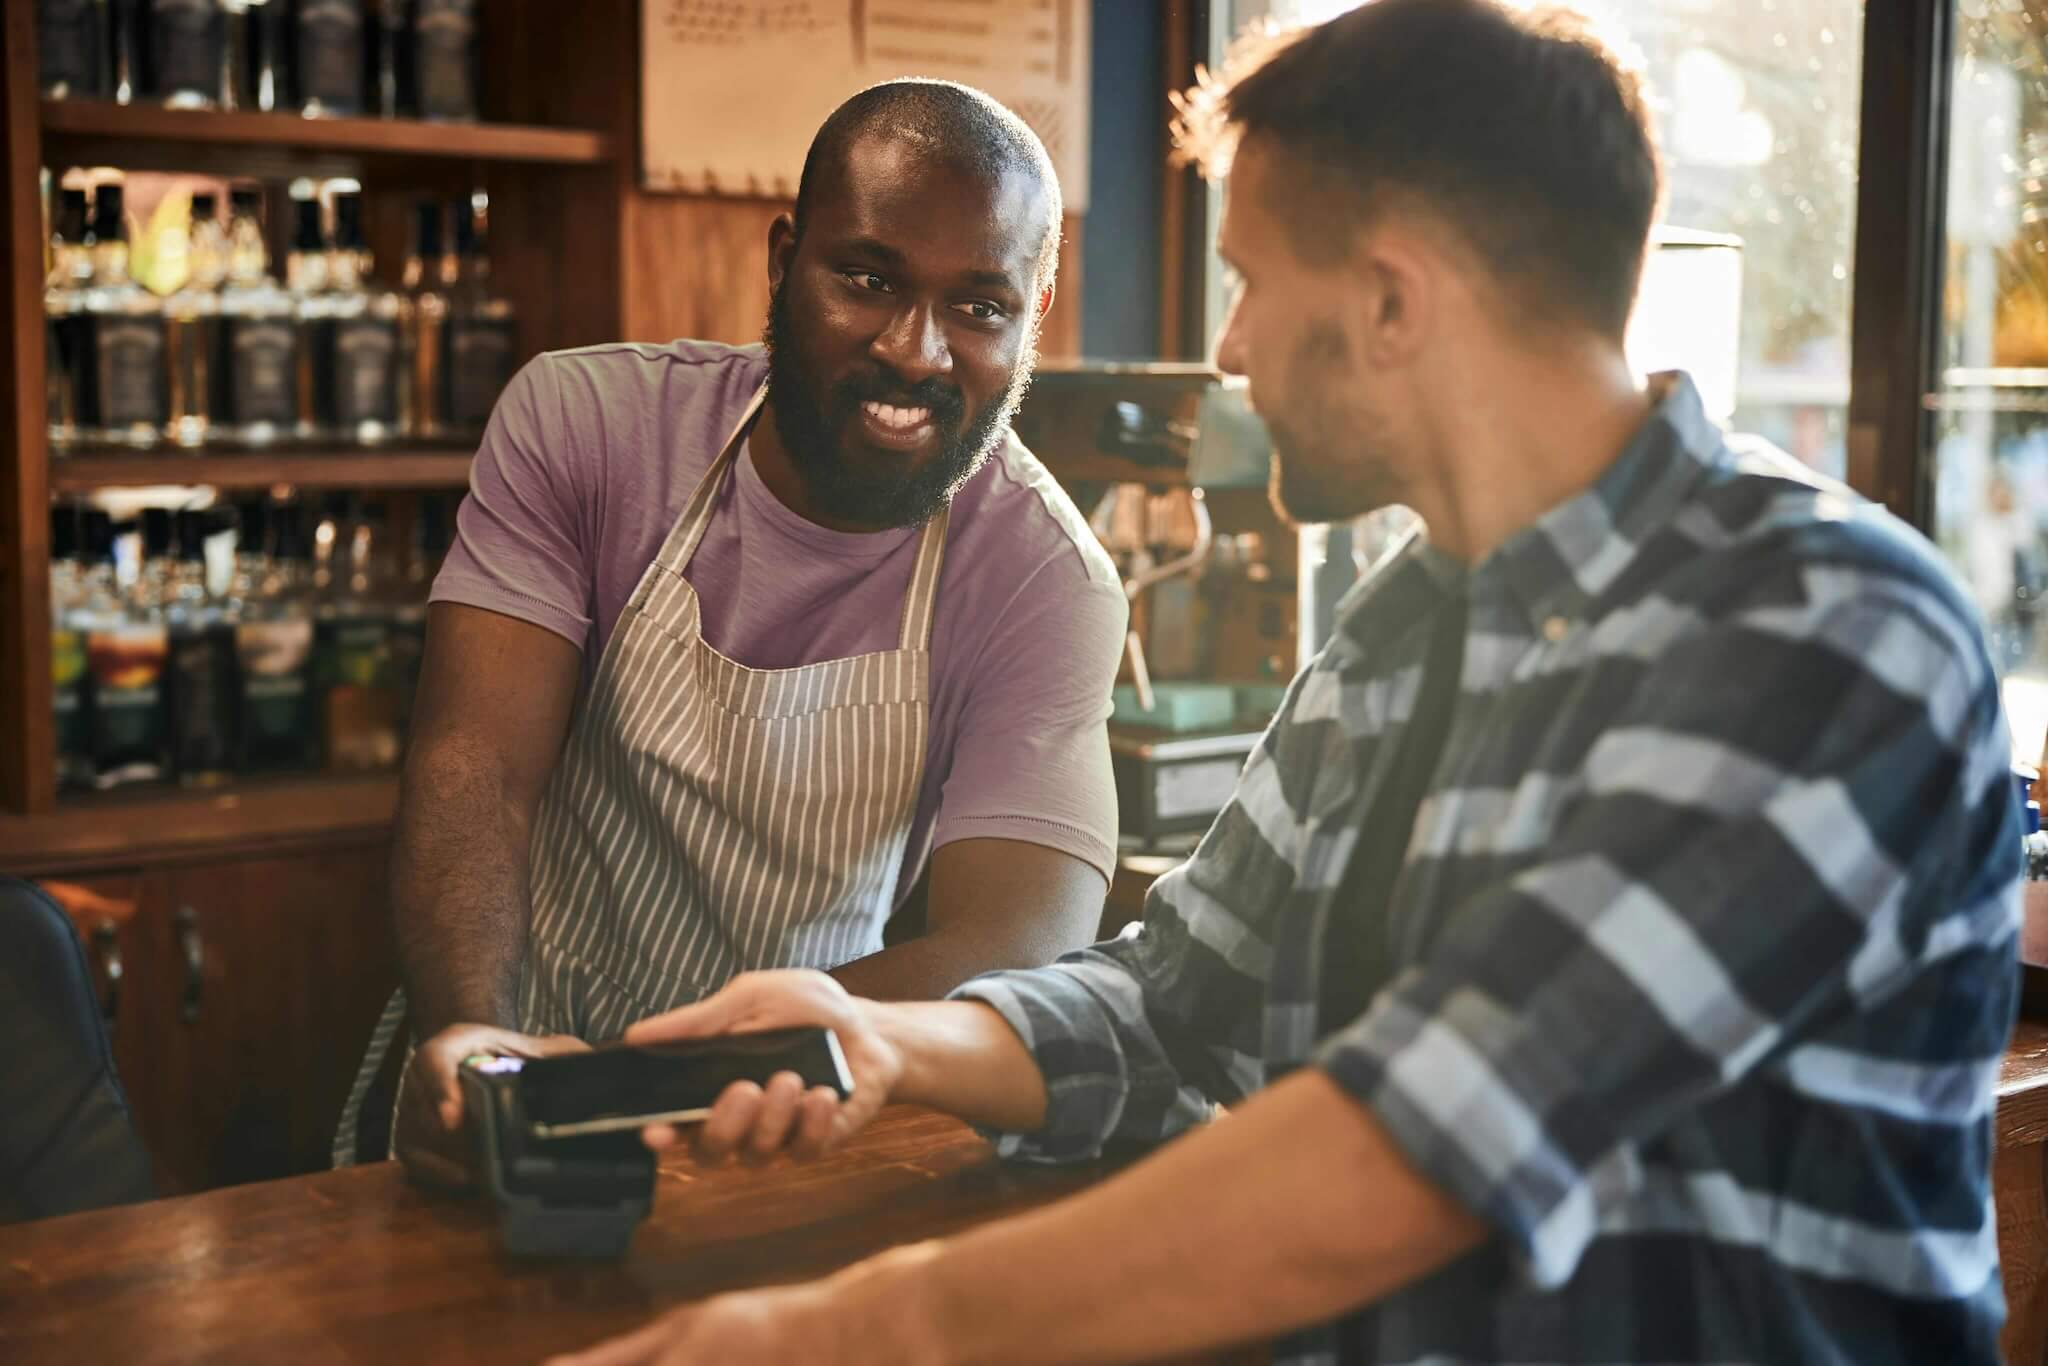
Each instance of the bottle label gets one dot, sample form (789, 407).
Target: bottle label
(276, 688)
(131, 371)
(331, 54)
(67, 34)
(444, 41)
(127, 668)
(187, 47)
(480, 352)
(262, 365)
(202, 700)
(365, 364)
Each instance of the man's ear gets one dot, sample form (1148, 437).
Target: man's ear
(781, 249)
(1044, 304)
(1396, 298)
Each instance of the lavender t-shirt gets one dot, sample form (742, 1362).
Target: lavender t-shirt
(587, 463)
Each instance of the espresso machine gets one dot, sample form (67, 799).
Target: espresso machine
(1170, 466)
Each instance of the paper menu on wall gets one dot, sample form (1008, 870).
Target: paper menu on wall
(732, 91)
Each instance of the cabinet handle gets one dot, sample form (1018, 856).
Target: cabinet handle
(106, 942)
(194, 950)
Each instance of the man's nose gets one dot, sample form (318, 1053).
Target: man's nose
(1230, 356)
(914, 344)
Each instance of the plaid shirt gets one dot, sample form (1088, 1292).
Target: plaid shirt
(1702, 957)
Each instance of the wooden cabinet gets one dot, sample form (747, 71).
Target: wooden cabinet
(244, 990)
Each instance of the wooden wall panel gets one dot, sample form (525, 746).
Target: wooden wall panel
(697, 267)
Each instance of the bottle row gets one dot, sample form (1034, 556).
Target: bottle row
(197, 645)
(234, 355)
(394, 58)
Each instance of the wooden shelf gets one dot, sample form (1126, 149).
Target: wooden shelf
(152, 823)
(82, 125)
(440, 467)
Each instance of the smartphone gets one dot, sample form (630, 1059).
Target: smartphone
(625, 1086)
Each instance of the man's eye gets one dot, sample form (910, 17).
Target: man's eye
(867, 279)
(980, 309)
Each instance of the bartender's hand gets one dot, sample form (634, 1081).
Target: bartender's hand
(432, 1140)
(759, 1122)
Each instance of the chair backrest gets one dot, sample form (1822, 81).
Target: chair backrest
(67, 1141)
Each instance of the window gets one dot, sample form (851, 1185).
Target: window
(1756, 104)
(1990, 460)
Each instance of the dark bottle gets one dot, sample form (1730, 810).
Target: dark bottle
(202, 686)
(483, 333)
(391, 78)
(67, 333)
(264, 36)
(280, 730)
(424, 284)
(444, 58)
(359, 696)
(124, 50)
(125, 334)
(312, 310)
(187, 52)
(361, 360)
(259, 343)
(126, 651)
(70, 583)
(330, 56)
(71, 43)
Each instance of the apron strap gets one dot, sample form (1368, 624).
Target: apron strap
(920, 600)
(689, 528)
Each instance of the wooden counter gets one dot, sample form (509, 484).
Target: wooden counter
(2019, 1183)
(359, 1265)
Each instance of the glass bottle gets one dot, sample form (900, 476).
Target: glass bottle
(483, 332)
(392, 80)
(353, 640)
(67, 370)
(202, 692)
(426, 304)
(259, 346)
(124, 49)
(187, 47)
(70, 713)
(361, 364)
(444, 58)
(274, 645)
(330, 56)
(126, 334)
(126, 649)
(192, 328)
(71, 42)
(306, 281)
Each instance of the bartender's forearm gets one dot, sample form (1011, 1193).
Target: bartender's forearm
(459, 881)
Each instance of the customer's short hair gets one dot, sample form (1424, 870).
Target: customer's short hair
(1522, 130)
(948, 121)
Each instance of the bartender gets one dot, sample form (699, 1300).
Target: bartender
(734, 640)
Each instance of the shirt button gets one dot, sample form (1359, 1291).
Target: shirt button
(1556, 629)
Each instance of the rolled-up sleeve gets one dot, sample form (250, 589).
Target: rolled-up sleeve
(519, 544)
(1730, 879)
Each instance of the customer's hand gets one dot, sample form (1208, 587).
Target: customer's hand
(432, 1139)
(758, 1122)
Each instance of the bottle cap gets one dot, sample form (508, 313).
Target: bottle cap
(348, 222)
(191, 526)
(245, 201)
(308, 236)
(97, 529)
(426, 229)
(107, 221)
(204, 207)
(71, 215)
(156, 533)
(63, 531)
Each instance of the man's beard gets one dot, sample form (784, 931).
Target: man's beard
(1328, 464)
(811, 416)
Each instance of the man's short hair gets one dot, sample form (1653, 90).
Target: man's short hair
(953, 123)
(1522, 130)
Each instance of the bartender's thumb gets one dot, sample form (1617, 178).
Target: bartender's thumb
(715, 1014)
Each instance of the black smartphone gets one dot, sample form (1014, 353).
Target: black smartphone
(624, 1086)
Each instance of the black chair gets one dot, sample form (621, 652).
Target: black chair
(67, 1142)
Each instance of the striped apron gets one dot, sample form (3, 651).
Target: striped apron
(708, 819)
